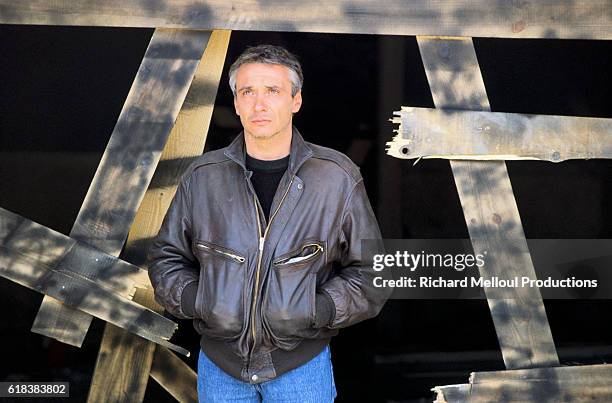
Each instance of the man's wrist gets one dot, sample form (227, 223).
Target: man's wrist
(325, 310)
(188, 299)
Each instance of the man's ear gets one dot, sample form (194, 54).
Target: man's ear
(297, 102)
(236, 106)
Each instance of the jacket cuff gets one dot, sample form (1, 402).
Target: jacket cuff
(325, 310)
(188, 299)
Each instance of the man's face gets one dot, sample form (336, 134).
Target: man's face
(263, 99)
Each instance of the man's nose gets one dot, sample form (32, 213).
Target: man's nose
(260, 103)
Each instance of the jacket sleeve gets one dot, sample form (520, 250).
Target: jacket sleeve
(352, 290)
(173, 269)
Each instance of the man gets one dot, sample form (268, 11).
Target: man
(262, 247)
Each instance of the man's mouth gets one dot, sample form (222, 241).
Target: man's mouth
(260, 121)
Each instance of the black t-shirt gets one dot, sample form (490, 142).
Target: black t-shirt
(265, 178)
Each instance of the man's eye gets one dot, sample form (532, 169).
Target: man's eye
(273, 90)
(247, 92)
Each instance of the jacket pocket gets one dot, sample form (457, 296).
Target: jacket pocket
(305, 253)
(289, 306)
(220, 301)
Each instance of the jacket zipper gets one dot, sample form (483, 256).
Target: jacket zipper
(232, 256)
(262, 240)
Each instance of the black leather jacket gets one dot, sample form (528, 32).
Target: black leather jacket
(258, 283)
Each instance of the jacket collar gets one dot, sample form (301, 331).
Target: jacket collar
(299, 151)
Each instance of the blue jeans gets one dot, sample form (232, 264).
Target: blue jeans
(312, 382)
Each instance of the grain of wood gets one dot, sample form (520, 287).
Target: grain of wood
(51, 263)
(566, 19)
(128, 163)
(586, 383)
(122, 360)
(175, 376)
(131, 356)
(474, 135)
(490, 211)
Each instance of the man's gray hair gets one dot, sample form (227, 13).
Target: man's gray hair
(269, 54)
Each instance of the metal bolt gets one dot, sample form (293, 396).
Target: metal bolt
(254, 378)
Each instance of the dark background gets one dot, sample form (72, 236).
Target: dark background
(61, 91)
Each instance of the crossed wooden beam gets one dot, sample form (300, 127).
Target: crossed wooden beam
(166, 116)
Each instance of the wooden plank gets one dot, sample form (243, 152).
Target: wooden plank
(515, 391)
(584, 374)
(174, 375)
(128, 163)
(548, 391)
(566, 19)
(122, 357)
(51, 263)
(587, 383)
(125, 371)
(452, 134)
(67, 254)
(452, 393)
(490, 210)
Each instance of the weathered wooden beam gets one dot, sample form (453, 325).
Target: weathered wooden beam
(490, 211)
(584, 374)
(129, 161)
(106, 271)
(587, 383)
(452, 134)
(174, 375)
(123, 374)
(53, 264)
(117, 375)
(452, 393)
(567, 19)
